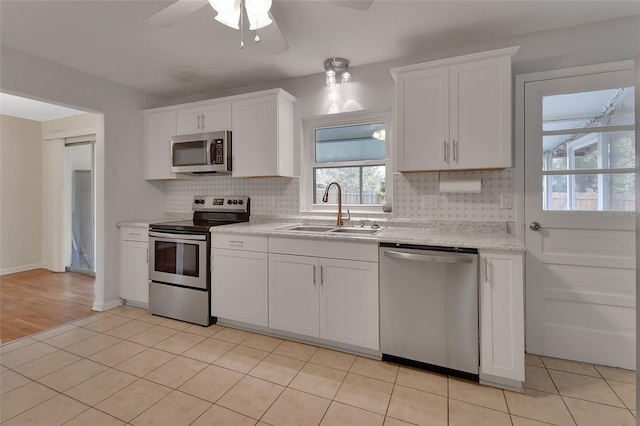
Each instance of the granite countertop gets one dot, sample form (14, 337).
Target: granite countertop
(141, 223)
(446, 235)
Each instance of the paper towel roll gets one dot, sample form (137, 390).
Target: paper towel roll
(460, 185)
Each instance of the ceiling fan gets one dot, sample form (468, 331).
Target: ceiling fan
(270, 35)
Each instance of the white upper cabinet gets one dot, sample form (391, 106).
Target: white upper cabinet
(204, 118)
(262, 134)
(159, 127)
(455, 113)
(261, 125)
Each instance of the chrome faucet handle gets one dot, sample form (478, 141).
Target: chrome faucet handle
(375, 225)
(361, 223)
(348, 215)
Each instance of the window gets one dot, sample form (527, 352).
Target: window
(353, 151)
(588, 151)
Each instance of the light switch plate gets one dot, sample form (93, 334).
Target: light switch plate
(506, 201)
(429, 201)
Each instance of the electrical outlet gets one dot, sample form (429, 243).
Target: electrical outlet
(506, 201)
(429, 201)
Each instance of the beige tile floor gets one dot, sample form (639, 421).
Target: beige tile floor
(128, 367)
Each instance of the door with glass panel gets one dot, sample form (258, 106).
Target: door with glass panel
(579, 214)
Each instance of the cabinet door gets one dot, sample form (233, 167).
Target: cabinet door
(349, 302)
(204, 118)
(501, 315)
(293, 294)
(189, 121)
(255, 137)
(159, 127)
(239, 286)
(422, 112)
(216, 117)
(134, 271)
(481, 114)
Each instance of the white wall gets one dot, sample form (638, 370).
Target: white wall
(122, 191)
(373, 90)
(20, 194)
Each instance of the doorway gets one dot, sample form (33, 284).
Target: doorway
(579, 207)
(79, 209)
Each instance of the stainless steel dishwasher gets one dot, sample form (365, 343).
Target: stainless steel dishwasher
(429, 308)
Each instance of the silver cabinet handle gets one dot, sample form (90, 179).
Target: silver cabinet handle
(455, 149)
(199, 127)
(430, 256)
(147, 256)
(235, 243)
(314, 275)
(321, 275)
(486, 270)
(203, 123)
(446, 151)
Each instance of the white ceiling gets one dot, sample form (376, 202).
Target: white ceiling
(15, 106)
(110, 39)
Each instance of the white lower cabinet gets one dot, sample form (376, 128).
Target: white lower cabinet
(293, 294)
(321, 297)
(501, 315)
(134, 265)
(349, 302)
(239, 278)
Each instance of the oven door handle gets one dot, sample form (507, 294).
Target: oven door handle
(178, 236)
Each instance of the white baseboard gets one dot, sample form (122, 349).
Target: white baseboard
(16, 269)
(100, 306)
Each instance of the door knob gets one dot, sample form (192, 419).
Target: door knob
(535, 226)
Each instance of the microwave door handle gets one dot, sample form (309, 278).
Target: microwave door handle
(210, 158)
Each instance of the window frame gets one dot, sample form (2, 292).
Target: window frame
(308, 162)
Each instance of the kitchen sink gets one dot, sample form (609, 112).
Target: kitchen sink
(362, 231)
(331, 229)
(308, 228)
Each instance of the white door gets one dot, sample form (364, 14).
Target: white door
(349, 302)
(579, 207)
(293, 294)
(239, 286)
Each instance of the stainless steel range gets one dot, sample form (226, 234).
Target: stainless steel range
(179, 260)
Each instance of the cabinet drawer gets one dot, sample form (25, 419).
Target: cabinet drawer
(134, 234)
(239, 242)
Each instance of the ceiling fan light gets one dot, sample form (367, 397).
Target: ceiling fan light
(258, 21)
(228, 12)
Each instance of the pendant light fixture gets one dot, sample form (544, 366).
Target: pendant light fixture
(333, 66)
(230, 13)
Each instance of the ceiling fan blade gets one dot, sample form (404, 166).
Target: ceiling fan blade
(362, 5)
(272, 39)
(175, 12)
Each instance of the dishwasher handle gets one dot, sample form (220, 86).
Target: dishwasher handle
(430, 256)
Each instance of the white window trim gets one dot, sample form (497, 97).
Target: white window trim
(307, 162)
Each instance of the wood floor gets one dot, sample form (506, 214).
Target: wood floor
(38, 300)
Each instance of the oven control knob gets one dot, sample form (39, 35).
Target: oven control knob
(235, 201)
(228, 201)
(240, 202)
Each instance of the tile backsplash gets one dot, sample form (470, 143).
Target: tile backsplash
(281, 196)
(269, 196)
(409, 189)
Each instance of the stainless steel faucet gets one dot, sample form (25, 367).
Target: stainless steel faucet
(325, 199)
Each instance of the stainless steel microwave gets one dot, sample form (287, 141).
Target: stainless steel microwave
(201, 153)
